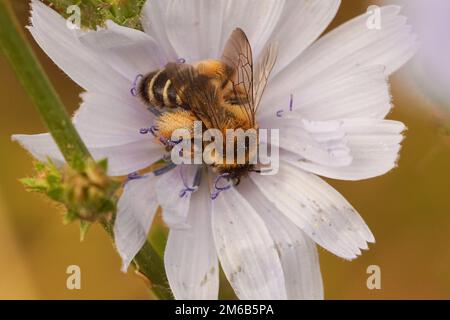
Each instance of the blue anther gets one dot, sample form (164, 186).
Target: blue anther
(133, 90)
(217, 188)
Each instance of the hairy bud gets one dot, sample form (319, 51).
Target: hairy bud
(88, 195)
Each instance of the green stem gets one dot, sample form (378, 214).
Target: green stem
(44, 96)
(39, 88)
(149, 263)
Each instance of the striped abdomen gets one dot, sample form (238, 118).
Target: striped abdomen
(157, 89)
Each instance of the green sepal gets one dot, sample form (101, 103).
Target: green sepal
(69, 217)
(88, 194)
(84, 228)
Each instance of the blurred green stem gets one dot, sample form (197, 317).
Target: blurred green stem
(31, 75)
(43, 95)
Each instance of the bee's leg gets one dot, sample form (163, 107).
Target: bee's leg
(168, 122)
(255, 170)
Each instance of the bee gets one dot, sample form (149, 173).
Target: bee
(158, 90)
(222, 94)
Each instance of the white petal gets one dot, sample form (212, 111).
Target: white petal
(319, 210)
(122, 159)
(318, 142)
(135, 212)
(374, 146)
(110, 127)
(127, 158)
(62, 45)
(298, 253)
(257, 18)
(199, 29)
(173, 196)
(41, 146)
(103, 120)
(129, 51)
(360, 92)
(302, 23)
(190, 256)
(194, 28)
(154, 23)
(352, 44)
(246, 250)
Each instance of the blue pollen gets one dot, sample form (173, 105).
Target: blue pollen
(280, 112)
(168, 142)
(151, 130)
(133, 90)
(218, 189)
(186, 190)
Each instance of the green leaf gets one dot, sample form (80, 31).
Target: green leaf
(34, 185)
(69, 217)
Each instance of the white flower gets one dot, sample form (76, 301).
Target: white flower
(264, 231)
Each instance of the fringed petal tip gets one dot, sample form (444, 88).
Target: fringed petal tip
(125, 265)
(40, 146)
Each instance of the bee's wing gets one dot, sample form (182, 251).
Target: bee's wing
(238, 55)
(197, 92)
(263, 70)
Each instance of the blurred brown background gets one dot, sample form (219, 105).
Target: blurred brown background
(408, 210)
